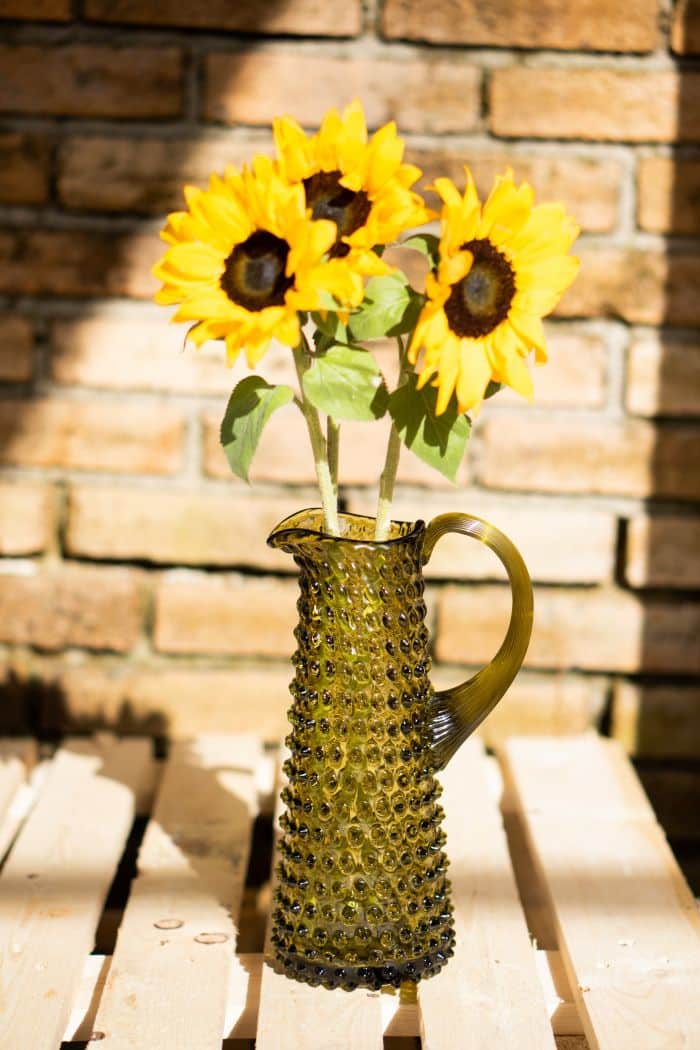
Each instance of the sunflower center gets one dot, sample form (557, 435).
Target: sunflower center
(481, 300)
(254, 273)
(329, 200)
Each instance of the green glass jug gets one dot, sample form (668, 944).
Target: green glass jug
(363, 898)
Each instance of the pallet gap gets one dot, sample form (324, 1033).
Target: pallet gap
(118, 893)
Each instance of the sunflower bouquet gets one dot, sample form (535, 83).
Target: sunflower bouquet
(292, 248)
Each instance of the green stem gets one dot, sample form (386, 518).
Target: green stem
(329, 500)
(333, 445)
(391, 466)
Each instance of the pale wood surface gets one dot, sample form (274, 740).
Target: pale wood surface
(489, 992)
(168, 984)
(627, 925)
(54, 884)
(293, 1014)
(17, 758)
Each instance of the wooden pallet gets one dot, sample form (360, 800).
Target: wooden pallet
(575, 927)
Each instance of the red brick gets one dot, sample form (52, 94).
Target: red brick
(24, 168)
(537, 704)
(663, 377)
(26, 518)
(630, 458)
(423, 96)
(168, 701)
(558, 545)
(232, 617)
(91, 435)
(39, 10)
(657, 721)
(143, 175)
(685, 30)
(178, 527)
(87, 80)
(642, 287)
(302, 17)
(609, 104)
(552, 176)
(78, 263)
(663, 551)
(668, 195)
(584, 26)
(593, 630)
(71, 606)
(16, 349)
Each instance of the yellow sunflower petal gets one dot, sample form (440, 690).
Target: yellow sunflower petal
(474, 374)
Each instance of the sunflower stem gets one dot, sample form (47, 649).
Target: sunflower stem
(333, 445)
(391, 464)
(329, 499)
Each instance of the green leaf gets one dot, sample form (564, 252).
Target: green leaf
(440, 441)
(425, 243)
(390, 307)
(346, 384)
(250, 406)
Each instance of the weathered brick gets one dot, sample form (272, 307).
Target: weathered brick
(685, 30)
(16, 349)
(583, 26)
(37, 10)
(233, 617)
(168, 701)
(537, 704)
(609, 104)
(552, 176)
(177, 527)
(423, 96)
(663, 377)
(558, 545)
(88, 80)
(663, 551)
(657, 721)
(593, 630)
(668, 195)
(284, 454)
(629, 458)
(640, 286)
(143, 175)
(24, 168)
(26, 518)
(71, 606)
(91, 435)
(302, 17)
(78, 263)
(574, 376)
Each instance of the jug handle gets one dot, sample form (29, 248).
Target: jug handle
(453, 714)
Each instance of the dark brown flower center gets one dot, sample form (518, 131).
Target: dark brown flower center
(254, 273)
(481, 300)
(329, 200)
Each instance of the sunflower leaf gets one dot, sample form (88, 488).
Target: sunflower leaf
(346, 383)
(425, 243)
(390, 307)
(440, 441)
(249, 408)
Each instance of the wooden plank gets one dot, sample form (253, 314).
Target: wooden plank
(489, 992)
(168, 983)
(295, 1014)
(17, 758)
(54, 884)
(628, 927)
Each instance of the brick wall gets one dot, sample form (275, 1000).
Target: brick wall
(135, 587)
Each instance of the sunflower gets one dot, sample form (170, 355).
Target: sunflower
(246, 257)
(502, 268)
(361, 185)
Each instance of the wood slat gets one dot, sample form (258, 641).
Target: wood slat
(168, 984)
(490, 992)
(293, 1014)
(627, 925)
(17, 758)
(54, 884)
